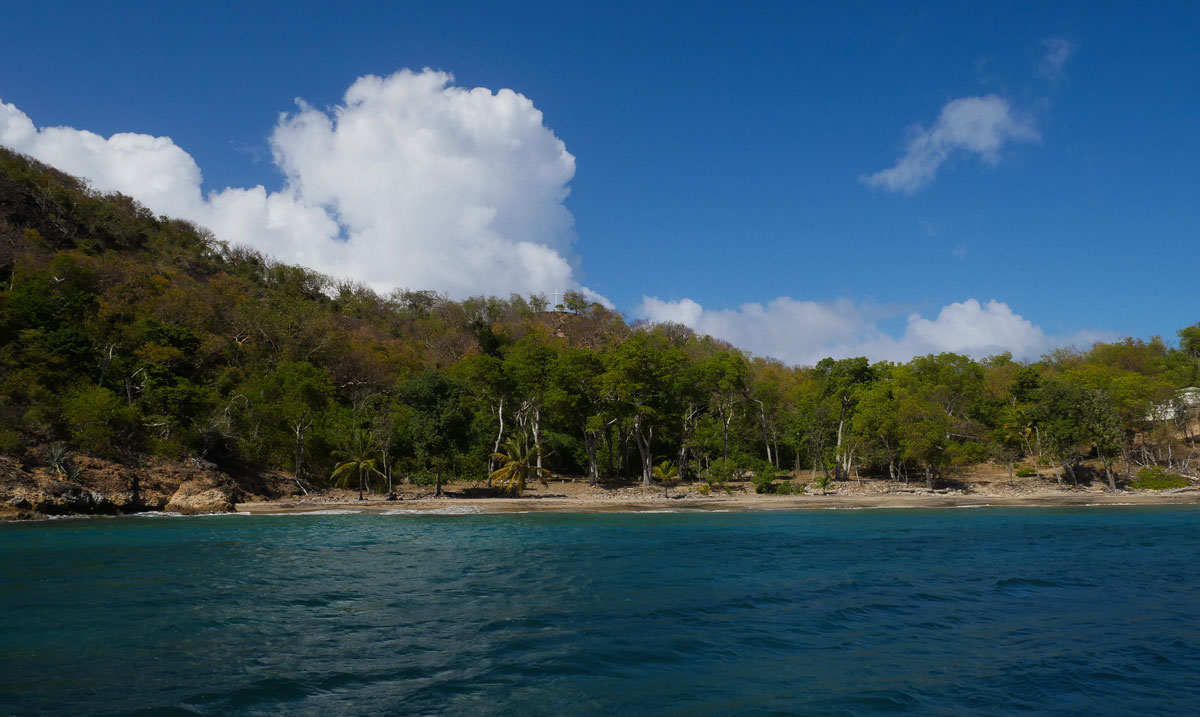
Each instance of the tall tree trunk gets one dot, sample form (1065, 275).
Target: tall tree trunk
(1037, 435)
(105, 362)
(438, 482)
(725, 419)
(837, 452)
(608, 439)
(762, 423)
(929, 476)
(537, 434)
(644, 435)
(624, 453)
(689, 426)
(496, 445)
(362, 480)
(590, 438)
(298, 429)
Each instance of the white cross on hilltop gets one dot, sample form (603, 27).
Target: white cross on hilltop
(557, 297)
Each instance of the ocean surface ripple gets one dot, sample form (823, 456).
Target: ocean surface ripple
(996, 611)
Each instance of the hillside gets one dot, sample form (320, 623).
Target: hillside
(139, 356)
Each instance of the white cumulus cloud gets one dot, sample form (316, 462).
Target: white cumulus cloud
(978, 126)
(804, 332)
(408, 182)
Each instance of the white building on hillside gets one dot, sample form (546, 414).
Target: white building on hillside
(1186, 399)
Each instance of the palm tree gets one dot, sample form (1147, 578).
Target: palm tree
(666, 473)
(356, 459)
(517, 467)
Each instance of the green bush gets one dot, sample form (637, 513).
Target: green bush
(424, 479)
(788, 488)
(721, 471)
(1155, 478)
(764, 480)
(10, 442)
(967, 454)
(99, 421)
(1025, 472)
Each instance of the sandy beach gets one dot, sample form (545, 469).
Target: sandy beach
(579, 497)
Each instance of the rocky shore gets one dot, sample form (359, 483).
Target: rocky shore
(101, 487)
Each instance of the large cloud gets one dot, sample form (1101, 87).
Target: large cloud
(409, 182)
(804, 332)
(974, 125)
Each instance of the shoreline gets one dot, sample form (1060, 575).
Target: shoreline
(108, 495)
(734, 504)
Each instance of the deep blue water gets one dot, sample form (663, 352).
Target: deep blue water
(987, 611)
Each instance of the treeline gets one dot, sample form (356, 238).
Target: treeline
(124, 334)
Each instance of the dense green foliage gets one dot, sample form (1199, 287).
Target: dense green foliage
(1155, 478)
(124, 334)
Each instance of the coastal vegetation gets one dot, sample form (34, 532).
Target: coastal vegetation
(125, 335)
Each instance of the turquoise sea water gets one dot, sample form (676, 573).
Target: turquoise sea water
(987, 611)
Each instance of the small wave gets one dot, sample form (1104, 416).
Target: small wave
(327, 511)
(673, 510)
(173, 514)
(455, 510)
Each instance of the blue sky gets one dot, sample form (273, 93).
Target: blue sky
(721, 152)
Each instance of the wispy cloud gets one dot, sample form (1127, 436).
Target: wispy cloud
(1053, 63)
(979, 126)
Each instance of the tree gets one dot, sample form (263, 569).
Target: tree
(638, 378)
(1062, 420)
(766, 393)
(840, 380)
(99, 421)
(287, 401)
(529, 362)
(1189, 341)
(356, 459)
(666, 473)
(923, 429)
(491, 388)
(876, 423)
(575, 396)
(439, 421)
(517, 468)
(1010, 439)
(1104, 428)
(724, 374)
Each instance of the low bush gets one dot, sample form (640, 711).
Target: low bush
(1025, 472)
(789, 488)
(764, 481)
(823, 482)
(1155, 478)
